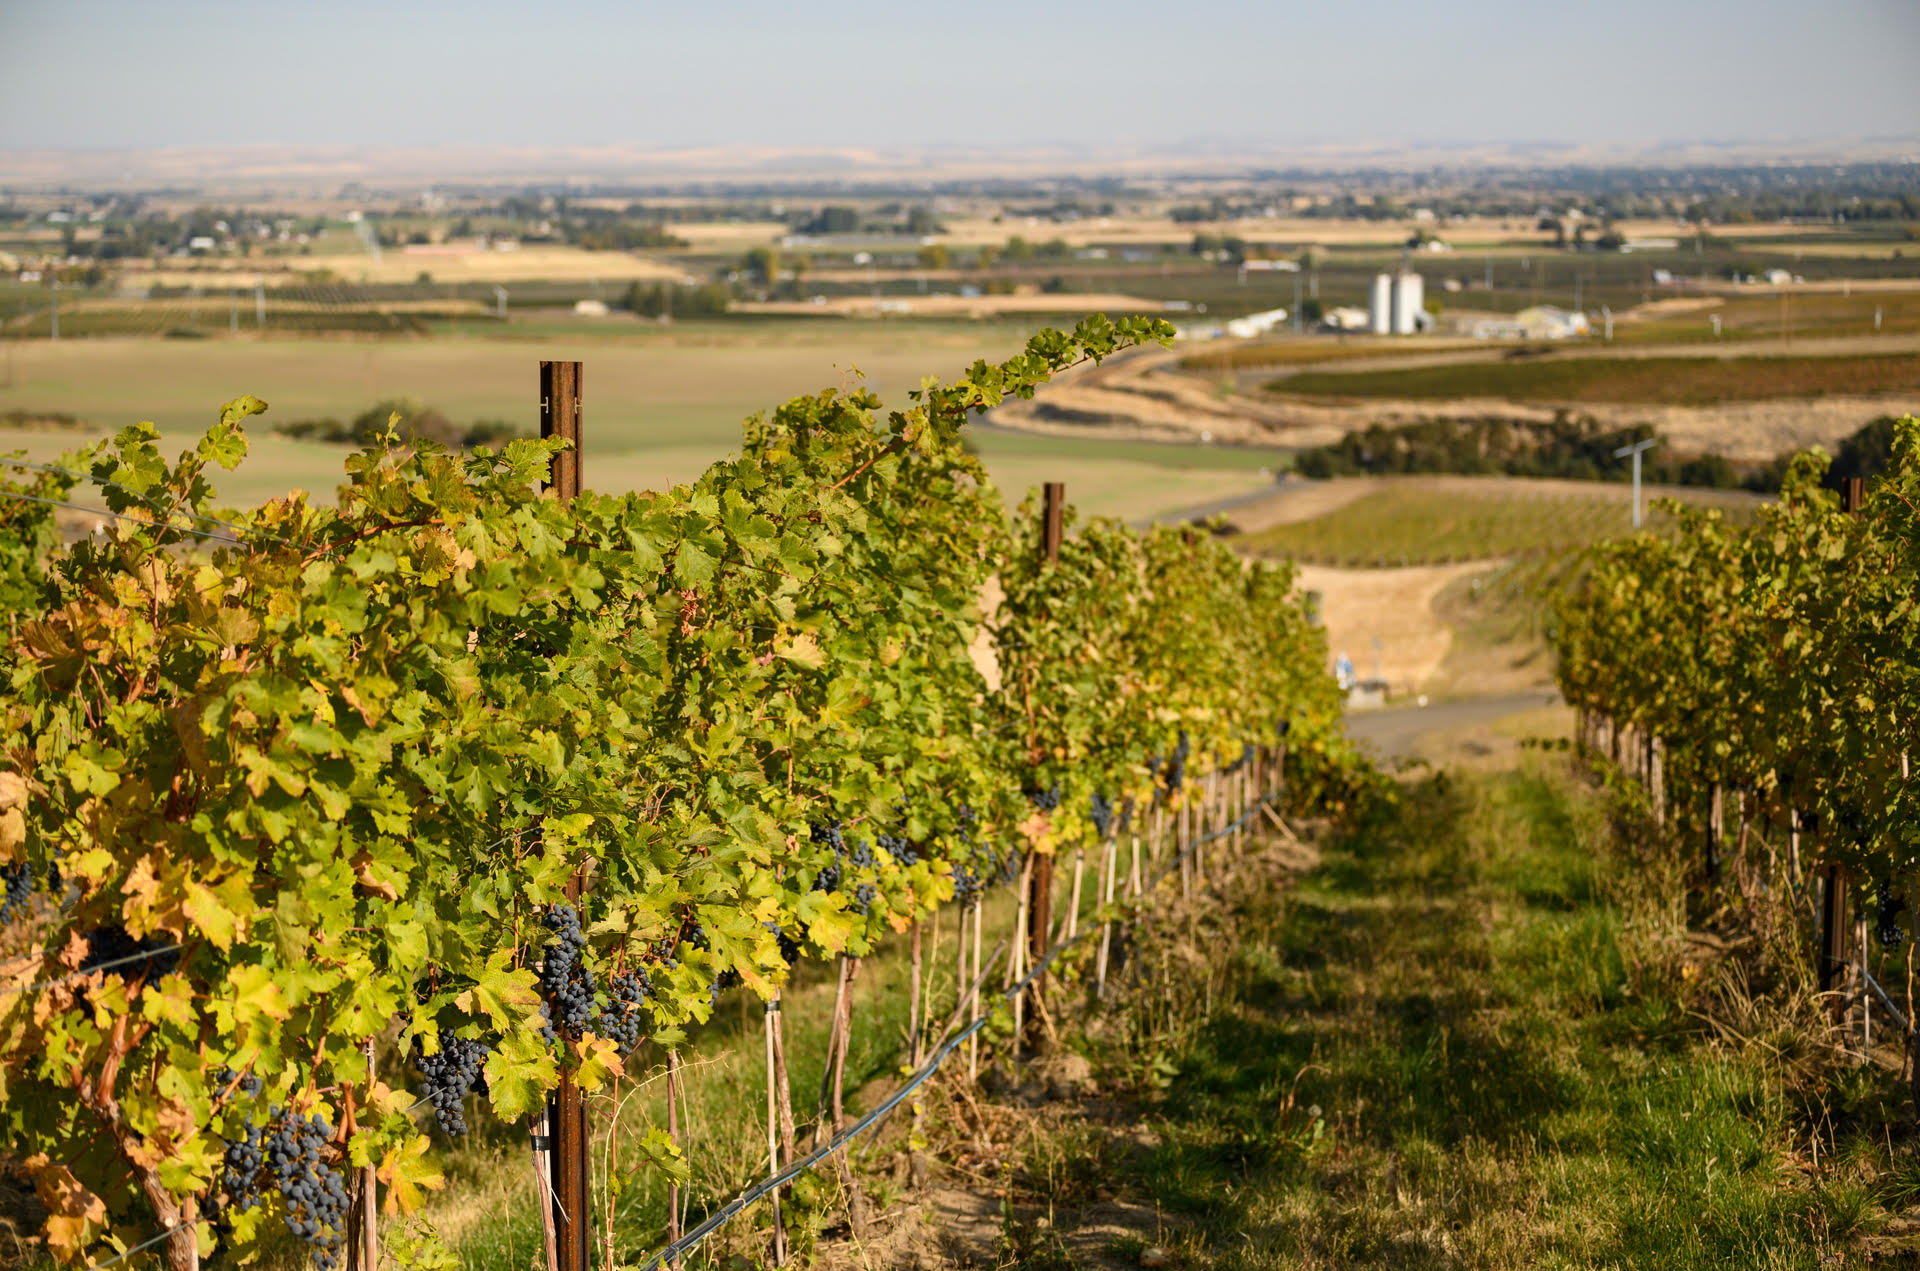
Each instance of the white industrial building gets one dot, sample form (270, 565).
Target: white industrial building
(1398, 304)
(1256, 324)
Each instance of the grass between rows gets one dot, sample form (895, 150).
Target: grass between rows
(1477, 1034)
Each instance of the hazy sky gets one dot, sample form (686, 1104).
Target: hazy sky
(110, 73)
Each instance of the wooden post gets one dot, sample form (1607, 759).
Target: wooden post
(566, 1110)
(370, 1195)
(673, 1137)
(1040, 885)
(1713, 833)
(1833, 899)
(773, 1133)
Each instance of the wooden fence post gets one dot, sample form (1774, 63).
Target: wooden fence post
(560, 393)
(1833, 901)
(1040, 884)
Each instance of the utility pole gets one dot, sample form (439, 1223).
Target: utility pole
(1606, 315)
(500, 302)
(567, 1137)
(1636, 450)
(259, 302)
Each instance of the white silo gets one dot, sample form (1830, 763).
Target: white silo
(1380, 310)
(1409, 300)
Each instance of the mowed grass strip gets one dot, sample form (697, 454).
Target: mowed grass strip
(1416, 521)
(1472, 1037)
(1680, 381)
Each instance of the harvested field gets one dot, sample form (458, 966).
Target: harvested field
(1392, 606)
(1689, 381)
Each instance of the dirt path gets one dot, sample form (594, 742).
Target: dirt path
(1404, 732)
(1394, 607)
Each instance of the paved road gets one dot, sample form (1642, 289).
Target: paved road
(1395, 733)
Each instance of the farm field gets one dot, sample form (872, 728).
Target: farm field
(1387, 521)
(1688, 381)
(659, 408)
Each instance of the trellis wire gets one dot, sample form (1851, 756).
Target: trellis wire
(719, 1218)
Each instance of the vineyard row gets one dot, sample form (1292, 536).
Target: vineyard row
(457, 791)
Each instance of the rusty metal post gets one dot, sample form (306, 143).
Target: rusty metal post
(560, 384)
(560, 390)
(1040, 885)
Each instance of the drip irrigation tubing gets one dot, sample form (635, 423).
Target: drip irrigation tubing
(726, 1213)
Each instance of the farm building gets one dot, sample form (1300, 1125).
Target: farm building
(1541, 322)
(1256, 324)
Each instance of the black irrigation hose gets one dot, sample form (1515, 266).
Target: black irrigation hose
(732, 1208)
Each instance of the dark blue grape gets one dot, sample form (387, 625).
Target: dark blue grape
(17, 879)
(565, 979)
(620, 1018)
(1887, 927)
(114, 945)
(289, 1156)
(1102, 808)
(1046, 800)
(449, 1075)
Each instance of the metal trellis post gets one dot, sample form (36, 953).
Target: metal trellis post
(560, 384)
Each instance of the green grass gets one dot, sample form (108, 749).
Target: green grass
(1691, 381)
(1467, 1039)
(1413, 521)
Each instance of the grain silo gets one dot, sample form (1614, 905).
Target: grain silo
(1380, 309)
(1409, 293)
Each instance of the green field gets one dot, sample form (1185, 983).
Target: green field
(1680, 381)
(660, 404)
(1418, 521)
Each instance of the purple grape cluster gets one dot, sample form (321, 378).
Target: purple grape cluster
(620, 1018)
(17, 879)
(290, 1156)
(449, 1075)
(247, 1084)
(565, 979)
(1046, 800)
(315, 1197)
(1102, 808)
(113, 945)
(905, 854)
(829, 835)
(1887, 927)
